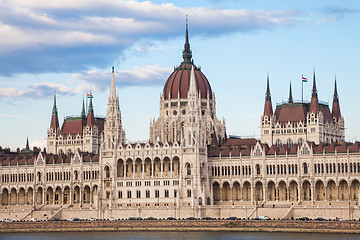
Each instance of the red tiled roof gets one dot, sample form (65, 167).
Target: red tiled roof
(284, 149)
(294, 149)
(354, 147)
(292, 112)
(240, 141)
(225, 152)
(319, 148)
(342, 147)
(54, 124)
(295, 112)
(273, 149)
(246, 151)
(74, 126)
(330, 148)
(179, 81)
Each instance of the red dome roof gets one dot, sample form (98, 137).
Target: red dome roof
(179, 82)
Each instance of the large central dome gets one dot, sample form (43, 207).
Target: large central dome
(179, 81)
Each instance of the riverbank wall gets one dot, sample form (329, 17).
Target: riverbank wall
(185, 225)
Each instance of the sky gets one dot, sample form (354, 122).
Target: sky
(68, 47)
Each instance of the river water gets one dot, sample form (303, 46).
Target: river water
(175, 235)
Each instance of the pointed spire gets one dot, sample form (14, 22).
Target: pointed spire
(268, 95)
(90, 109)
(83, 110)
(290, 95)
(314, 106)
(314, 91)
(214, 141)
(27, 144)
(192, 86)
(336, 97)
(268, 111)
(54, 124)
(113, 87)
(54, 110)
(336, 113)
(187, 54)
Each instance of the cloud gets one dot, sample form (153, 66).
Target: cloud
(41, 90)
(8, 116)
(71, 36)
(149, 75)
(340, 11)
(98, 81)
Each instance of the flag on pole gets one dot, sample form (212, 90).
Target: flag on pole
(90, 95)
(303, 79)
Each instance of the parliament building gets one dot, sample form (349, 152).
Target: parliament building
(189, 166)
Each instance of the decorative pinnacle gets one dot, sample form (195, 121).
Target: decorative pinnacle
(54, 110)
(336, 97)
(268, 95)
(27, 144)
(113, 87)
(187, 54)
(314, 91)
(290, 95)
(90, 109)
(83, 109)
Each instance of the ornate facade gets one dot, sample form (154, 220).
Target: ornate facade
(79, 133)
(295, 122)
(188, 167)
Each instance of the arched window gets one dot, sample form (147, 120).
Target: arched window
(107, 171)
(257, 169)
(290, 143)
(39, 176)
(300, 141)
(305, 168)
(188, 169)
(278, 143)
(189, 193)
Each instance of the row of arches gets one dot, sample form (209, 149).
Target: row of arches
(148, 168)
(56, 176)
(49, 195)
(292, 191)
(283, 169)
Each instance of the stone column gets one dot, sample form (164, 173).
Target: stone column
(299, 193)
(312, 193)
(161, 168)
(264, 193)
(171, 168)
(252, 193)
(133, 170)
(221, 193)
(326, 197)
(71, 196)
(143, 170)
(33, 199)
(80, 197)
(152, 168)
(232, 194)
(43, 197)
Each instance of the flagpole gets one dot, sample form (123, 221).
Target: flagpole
(86, 102)
(302, 89)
